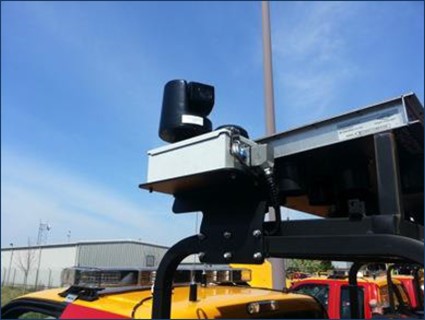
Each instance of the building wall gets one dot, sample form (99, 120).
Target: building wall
(53, 260)
(128, 254)
(44, 264)
(47, 262)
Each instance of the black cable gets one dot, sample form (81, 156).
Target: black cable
(269, 179)
(133, 313)
(274, 198)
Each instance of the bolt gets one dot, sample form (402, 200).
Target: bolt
(256, 233)
(227, 255)
(201, 236)
(257, 256)
(227, 234)
(201, 255)
(268, 171)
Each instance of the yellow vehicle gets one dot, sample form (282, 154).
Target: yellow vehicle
(261, 275)
(111, 293)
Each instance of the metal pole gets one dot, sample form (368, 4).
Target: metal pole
(39, 240)
(268, 70)
(43, 229)
(278, 265)
(38, 268)
(4, 277)
(50, 278)
(161, 302)
(10, 264)
(40, 232)
(13, 281)
(353, 290)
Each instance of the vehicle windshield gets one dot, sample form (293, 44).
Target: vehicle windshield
(32, 309)
(318, 291)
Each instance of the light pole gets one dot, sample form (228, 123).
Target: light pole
(278, 264)
(268, 69)
(10, 263)
(43, 229)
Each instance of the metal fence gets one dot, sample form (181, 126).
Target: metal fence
(47, 278)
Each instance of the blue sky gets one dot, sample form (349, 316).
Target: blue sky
(81, 91)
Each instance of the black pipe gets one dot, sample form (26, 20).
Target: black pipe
(418, 290)
(390, 288)
(354, 290)
(161, 305)
(193, 292)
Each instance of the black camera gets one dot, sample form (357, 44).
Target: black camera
(185, 107)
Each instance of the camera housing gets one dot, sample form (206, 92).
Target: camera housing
(185, 108)
(203, 161)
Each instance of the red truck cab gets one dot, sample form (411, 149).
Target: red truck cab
(334, 295)
(408, 283)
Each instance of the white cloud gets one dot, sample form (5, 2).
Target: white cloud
(316, 34)
(312, 58)
(34, 191)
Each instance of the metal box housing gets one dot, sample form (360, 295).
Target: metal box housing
(177, 167)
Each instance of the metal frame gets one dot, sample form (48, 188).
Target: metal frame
(361, 249)
(161, 305)
(388, 176)
(406, 109)
(354, 290)
(233, 217)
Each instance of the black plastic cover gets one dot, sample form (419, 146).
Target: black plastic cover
(185, 108)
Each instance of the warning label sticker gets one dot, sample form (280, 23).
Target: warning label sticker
(186, 118)
(371, 124)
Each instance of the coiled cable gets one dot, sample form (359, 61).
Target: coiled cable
(274, 198)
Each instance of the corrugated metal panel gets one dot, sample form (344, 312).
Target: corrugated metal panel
(118, 254)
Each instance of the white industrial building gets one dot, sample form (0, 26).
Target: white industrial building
(44, 264)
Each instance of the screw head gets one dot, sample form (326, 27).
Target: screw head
(201, 236)
(227, 234)
(257, 256)
(256, 233)
(227, 255)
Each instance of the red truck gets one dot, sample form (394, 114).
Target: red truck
(408, 283)
(333, 293)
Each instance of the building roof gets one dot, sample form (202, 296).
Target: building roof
(86, 242)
